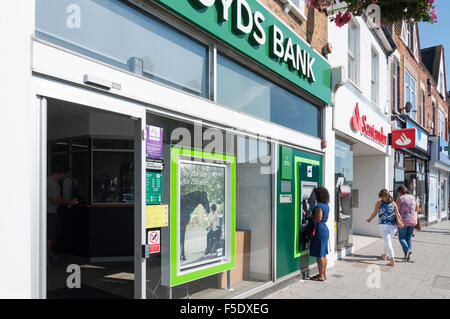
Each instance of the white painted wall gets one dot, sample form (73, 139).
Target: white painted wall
(371, 162)
(328, 173)
(371, 175)
(350, 94)
(346, 99)
(19, 144)
(338, 37)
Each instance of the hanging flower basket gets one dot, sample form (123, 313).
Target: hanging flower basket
(390, 11)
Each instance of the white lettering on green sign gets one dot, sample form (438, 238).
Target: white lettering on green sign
(206, 3)
(246, 22)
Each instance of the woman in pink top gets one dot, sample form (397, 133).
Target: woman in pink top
(407, 206)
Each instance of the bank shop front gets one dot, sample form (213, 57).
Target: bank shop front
(165, 125)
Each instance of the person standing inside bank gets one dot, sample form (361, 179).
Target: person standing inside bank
(319, 242)
(408, 208)
(54, 199)
(388, 220)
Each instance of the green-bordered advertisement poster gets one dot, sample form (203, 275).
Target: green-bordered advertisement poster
(202, 215)
(249, 27)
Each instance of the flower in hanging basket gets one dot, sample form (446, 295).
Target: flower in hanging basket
(342, 18)
(391, 11)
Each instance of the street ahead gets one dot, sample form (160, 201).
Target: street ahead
(364, 274)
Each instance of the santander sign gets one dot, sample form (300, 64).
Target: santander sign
(360, 124)
(404, 138)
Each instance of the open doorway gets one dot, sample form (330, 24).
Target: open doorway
(90, 202)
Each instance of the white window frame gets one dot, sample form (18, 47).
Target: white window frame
(422, 107)
(374, 78)
(441, 120)
(396, 84)
(353, 53)
(408, 93)
(409, 36)
(296, 7)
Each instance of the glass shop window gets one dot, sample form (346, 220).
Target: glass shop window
(201, 227)
(245, 91)
(120, 35)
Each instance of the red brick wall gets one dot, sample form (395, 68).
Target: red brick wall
(422, 75)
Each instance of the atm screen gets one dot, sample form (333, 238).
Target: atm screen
(308, 200)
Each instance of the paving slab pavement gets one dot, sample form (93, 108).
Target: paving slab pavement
(364, 275)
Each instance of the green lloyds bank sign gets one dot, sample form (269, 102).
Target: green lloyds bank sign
(252, 29)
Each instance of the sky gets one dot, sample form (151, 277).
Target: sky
(438, 33)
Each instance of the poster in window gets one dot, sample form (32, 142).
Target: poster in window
(202, 213)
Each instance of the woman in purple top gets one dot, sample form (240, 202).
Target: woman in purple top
(407, 206)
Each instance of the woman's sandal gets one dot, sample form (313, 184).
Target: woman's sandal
(317, 279)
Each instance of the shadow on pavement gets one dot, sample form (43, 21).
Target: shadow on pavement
(368, 259)
(441, 231)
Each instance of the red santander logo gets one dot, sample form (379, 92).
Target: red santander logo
(356, 119)
(404, 138)
(360, 124)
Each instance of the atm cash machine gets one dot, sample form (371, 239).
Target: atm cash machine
(343, 212)
(309, 178)
(308, 201)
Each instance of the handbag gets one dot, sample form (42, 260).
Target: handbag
(418, 225)
(308, 231)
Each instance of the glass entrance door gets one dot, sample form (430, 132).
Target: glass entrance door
(90, 217)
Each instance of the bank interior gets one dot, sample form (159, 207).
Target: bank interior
(97, 233)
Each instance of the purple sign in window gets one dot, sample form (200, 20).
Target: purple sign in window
(154, 142)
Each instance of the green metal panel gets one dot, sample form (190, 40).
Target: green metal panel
(289, 258)
(286, 163)
(212, 20)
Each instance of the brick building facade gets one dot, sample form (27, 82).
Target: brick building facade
(428, 99)
(418, 100)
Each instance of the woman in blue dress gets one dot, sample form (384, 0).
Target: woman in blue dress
(319, 242)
